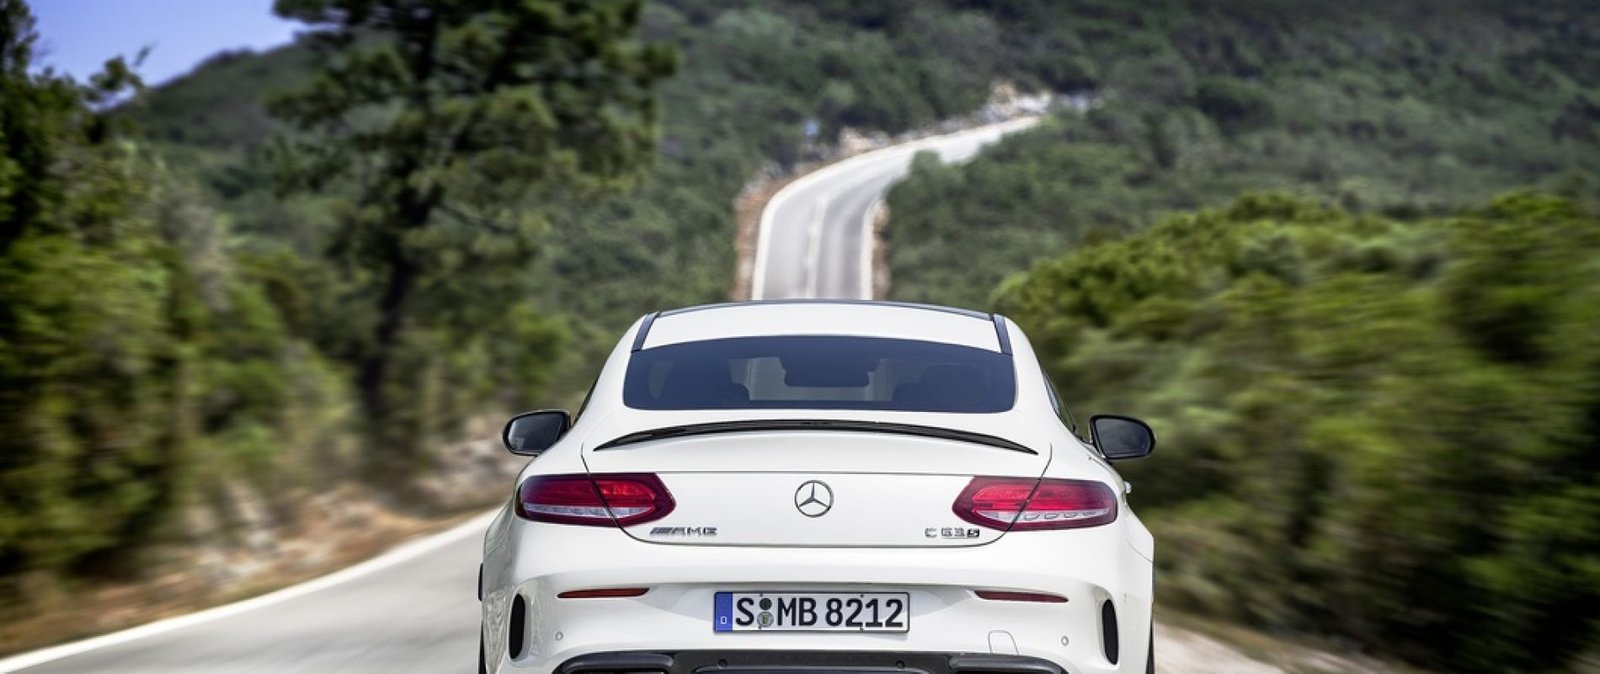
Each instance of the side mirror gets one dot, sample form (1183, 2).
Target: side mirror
(1121, 438)
(530, 433)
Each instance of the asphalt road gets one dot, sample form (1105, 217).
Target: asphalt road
(815, 234)
(416, 610)
(412, 610)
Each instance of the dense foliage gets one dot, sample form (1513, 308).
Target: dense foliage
(1401, 107)
(142, 364)
(1387, 429)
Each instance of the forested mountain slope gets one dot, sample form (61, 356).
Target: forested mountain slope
(1398, 107)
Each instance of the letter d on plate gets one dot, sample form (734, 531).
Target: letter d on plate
(722, 620)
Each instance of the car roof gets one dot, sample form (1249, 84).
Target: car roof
(861, 318)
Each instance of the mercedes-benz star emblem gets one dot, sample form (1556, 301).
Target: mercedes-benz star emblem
(813, 498)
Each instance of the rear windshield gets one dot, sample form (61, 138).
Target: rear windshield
(818, 372)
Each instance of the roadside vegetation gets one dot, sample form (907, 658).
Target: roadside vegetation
(1277, 238)
(1374, 427)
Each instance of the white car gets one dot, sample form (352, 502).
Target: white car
(788, 486)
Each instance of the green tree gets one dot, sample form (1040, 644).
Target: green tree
(451, 123)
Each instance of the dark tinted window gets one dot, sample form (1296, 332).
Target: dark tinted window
(820, 373)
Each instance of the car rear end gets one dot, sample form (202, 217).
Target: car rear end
(933, 534)
(902, 563)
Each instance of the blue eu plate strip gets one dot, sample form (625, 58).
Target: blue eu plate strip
(722, 614)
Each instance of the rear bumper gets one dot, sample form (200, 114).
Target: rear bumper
(1091, 568)
(803, 662)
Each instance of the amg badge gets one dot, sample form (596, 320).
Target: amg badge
(702, 532)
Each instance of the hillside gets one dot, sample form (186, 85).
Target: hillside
(1379, 107)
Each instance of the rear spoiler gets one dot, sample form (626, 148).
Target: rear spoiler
(837, 425)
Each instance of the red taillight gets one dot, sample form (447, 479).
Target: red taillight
(1020, 504)
(606, 593)
(598, 500)
(1007, 595)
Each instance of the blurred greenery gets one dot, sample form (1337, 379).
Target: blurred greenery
(140, 359)
(1376, 427)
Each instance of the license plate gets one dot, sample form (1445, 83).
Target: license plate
(812, 612)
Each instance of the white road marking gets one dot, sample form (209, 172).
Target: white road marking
(869, 244)
(401, 554)
(819, 216)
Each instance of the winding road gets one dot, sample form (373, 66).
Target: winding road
(816, 233)
(414, 609)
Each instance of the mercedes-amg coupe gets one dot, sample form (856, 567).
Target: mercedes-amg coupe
(795, 486)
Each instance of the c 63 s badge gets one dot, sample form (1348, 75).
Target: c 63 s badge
(699, 532)
(952, 532)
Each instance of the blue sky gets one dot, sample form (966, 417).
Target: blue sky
(77, 36)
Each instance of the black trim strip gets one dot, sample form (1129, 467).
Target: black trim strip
(644, 330)
(617, 662)
(840, 425)
(1000, 332)
(804, 662)
(969, 313)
